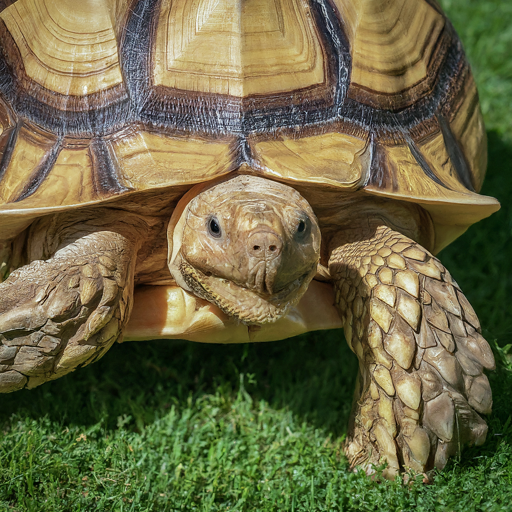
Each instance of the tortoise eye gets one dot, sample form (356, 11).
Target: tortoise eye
(214, 227)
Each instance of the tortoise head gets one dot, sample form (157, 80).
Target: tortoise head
(249, 245)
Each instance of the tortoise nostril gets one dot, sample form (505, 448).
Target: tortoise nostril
(264, 244)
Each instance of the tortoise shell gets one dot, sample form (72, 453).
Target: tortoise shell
(105, 98)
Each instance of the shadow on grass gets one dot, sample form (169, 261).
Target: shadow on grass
(311, 375)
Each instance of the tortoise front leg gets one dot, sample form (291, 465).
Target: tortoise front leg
(421, 354)
(65, 312)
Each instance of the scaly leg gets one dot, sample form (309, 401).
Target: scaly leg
(65, 312)
(421, 354)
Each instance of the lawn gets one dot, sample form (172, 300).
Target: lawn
(165, 426)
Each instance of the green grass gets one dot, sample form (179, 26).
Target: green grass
(167, 426)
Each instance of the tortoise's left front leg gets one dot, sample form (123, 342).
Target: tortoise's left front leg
(421, 355)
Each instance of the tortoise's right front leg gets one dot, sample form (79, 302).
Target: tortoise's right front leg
(65, 312)
(421, 355)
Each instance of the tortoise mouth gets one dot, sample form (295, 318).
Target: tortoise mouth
(246, 305)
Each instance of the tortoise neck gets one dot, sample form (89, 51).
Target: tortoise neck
(367, 217)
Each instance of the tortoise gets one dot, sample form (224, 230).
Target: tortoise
(247, 170)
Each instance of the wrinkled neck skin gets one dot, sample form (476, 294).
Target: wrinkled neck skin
(360, 219)
(249, 245)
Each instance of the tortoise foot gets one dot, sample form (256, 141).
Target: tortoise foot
(414, 420)
(57, 315)
(421, 356)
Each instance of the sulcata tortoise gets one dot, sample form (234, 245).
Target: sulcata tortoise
(247, 170)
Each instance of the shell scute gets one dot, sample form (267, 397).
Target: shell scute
(395, 50)
(334, 159)
(145, 163)
(67, 47)
(237, 48)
